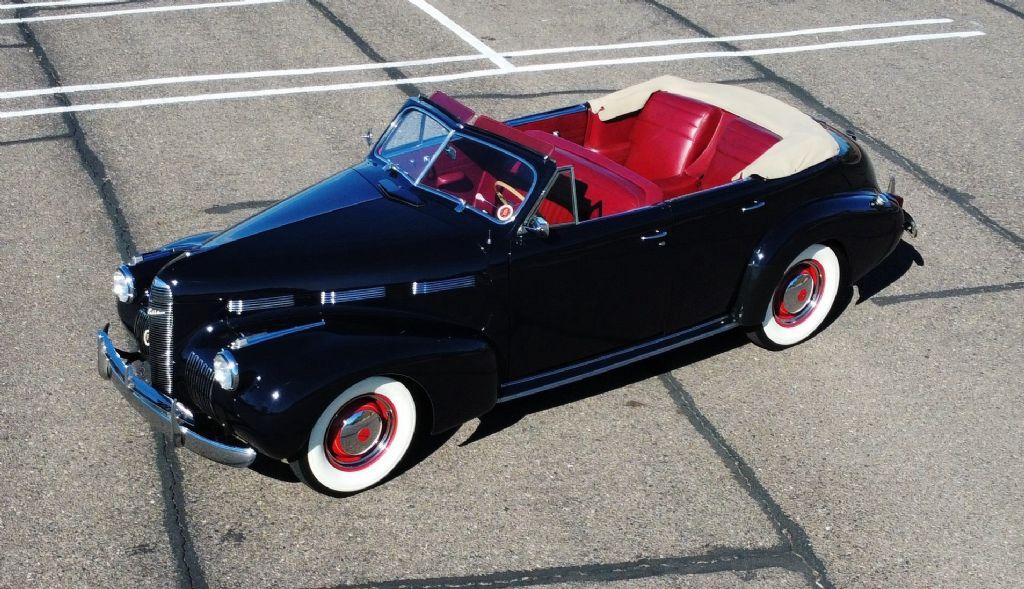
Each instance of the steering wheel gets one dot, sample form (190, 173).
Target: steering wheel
(502, 187)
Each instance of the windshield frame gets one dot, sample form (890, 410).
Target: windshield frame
(453, 131)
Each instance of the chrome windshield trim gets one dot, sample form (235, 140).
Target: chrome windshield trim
(378, 147)
(433, 158)
(256, 338)
(459, 203)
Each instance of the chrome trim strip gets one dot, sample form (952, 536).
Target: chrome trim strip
(163, 414)
(724, 324)
(251, 340)
(243, 305)
(347, 296)
(433, 286)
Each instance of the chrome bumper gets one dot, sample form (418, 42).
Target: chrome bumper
(164, 414)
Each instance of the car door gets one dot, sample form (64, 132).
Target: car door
(587, 289)
(711, 237)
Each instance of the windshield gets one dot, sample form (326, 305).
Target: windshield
(484, 177)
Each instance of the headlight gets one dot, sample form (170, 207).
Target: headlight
(124, 284)
(225, 370)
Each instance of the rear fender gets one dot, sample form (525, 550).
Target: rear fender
(864, 228)
(286, 382)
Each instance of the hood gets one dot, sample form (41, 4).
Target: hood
(340, 234)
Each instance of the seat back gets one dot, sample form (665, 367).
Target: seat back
(736, 143)
(670, 133)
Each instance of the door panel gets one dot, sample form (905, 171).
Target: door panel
(710, 241)
(587, 289)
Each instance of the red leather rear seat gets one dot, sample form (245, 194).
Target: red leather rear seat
(735, 145)
(670, 133)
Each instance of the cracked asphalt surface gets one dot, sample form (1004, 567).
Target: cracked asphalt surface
(885, 452)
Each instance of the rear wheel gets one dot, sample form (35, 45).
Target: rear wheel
(802, 300)
(360, 437)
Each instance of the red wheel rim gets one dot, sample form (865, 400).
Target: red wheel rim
(798, 293)
(360, 432)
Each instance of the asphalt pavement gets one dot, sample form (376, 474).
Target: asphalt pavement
(885, 452)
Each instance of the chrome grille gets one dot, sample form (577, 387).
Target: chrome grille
(161, 329)
(198, 379)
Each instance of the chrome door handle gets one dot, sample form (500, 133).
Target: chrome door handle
(656, 235)
(752, 206)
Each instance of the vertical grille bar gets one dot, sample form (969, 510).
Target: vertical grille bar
(161, 329)
(198, 379)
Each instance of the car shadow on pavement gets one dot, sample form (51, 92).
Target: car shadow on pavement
(899, 262)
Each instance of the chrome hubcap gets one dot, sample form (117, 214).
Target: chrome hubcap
(360, 432)
(798, 293)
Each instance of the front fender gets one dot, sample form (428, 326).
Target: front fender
(286, 382)
(865, 228)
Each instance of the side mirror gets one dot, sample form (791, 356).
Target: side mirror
(368, 137)
(538, 226)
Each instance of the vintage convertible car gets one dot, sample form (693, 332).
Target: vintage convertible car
(468, 261)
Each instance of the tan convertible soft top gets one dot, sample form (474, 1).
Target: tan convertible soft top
(804, 142)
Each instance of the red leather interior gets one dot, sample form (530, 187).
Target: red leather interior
(553, 213)
(571, 126)
(610, 138)
(680, 144)
(669, 134)
(735, 145)
(472, 174)
(608, 186)
(672, 147)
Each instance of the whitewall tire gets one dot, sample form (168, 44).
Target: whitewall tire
(360, 437)
(802, 300)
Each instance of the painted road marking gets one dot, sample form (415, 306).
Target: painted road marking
(452, 59)
(731, 38)
(106, 13)
(55, 3)
(463, 34)
(486, 73)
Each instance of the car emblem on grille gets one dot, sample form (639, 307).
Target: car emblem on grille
(145, 338)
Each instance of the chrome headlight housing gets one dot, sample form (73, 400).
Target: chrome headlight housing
(123, 285)
(225, 370)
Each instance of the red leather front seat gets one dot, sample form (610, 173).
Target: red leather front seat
(670, 133)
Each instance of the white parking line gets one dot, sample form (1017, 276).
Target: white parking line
(54, 3)
(463, 34)
(486, 73)
(238, 76)
(104, 13)
(731, 38)
(454, 58)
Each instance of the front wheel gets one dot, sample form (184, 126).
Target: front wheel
(802, 300)
(360, 437)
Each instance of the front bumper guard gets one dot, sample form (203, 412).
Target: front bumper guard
(163, 413)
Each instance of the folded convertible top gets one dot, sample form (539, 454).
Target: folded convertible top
(803, 143)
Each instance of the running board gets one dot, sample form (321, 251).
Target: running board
(574, 372)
